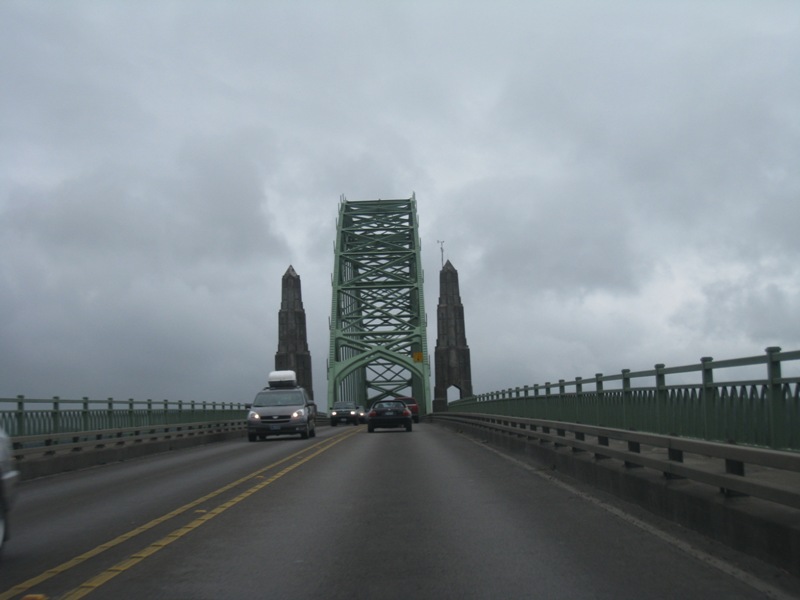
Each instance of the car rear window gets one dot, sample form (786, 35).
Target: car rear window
(389, 405)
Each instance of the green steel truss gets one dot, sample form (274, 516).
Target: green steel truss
(378, 345)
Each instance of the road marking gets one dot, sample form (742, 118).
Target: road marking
(74, 562)
(757, 584)
(134, 559)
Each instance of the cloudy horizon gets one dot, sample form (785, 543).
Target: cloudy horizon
(617, 183)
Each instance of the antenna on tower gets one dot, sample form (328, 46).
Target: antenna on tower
(441, 247)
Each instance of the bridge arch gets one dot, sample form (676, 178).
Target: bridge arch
(378, 341)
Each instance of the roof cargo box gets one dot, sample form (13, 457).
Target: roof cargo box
(282, 379)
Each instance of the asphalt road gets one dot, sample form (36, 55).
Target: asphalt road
(427, 514)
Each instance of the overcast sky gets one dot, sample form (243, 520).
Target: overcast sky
(617, 183)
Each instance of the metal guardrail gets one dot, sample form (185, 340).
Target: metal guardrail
(762, 411)
(22, 416)
(736, 470)
(48, 445)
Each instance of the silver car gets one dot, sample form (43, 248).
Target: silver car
(9, 477)
(279, 412)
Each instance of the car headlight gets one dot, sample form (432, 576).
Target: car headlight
(300, 412)
(333, 413)
(253, 416)
(352, 412)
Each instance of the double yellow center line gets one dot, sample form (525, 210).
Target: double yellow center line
(134, 559)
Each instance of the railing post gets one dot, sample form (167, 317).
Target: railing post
(579, 435)
(626, 398)
(109, 414)
(661, 400)
(636, 448)
(85, 419)
(708, 397)
(598, 387)
(560, 431)
(548, 400)
(56, 415)
(601, 439)
(21, 428)
(777, 438)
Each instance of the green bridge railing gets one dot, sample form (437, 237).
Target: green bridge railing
(762, 411)
(22, 416)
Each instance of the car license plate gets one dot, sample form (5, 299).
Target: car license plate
(389, 413)
(274, 427)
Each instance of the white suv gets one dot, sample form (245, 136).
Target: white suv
(9, 477)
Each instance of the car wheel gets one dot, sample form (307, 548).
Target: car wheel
(416, 419)
(371, 428)
(333, 423)
(262, 436)
(408, 426)
(313, 432)
(251, 437)
(304, 433)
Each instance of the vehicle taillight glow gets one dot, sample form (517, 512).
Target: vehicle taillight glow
(406, 413)
(372, 413)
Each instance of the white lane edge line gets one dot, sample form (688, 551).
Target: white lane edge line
(754, 582)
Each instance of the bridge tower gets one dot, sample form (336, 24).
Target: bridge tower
(453, 366)
(378, 343)
(293, 354)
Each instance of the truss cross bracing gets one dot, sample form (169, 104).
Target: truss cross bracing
(378, 345)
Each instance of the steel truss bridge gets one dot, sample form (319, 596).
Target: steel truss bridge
(378, 343)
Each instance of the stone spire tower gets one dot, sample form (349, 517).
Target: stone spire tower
(452, 353)
(293, 351)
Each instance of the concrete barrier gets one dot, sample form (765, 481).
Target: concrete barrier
(759, 528)
(31, 468)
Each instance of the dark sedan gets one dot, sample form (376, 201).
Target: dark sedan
(344, 412)
(389, 413)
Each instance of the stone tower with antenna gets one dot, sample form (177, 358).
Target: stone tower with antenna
(293, 354)
(452, 353)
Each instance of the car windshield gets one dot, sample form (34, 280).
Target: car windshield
(341, 405)
(279, 398)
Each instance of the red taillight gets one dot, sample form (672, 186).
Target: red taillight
(372, 413)
(406, 413)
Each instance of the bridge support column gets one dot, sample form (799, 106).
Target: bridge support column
(452, 352)
(293, 354)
